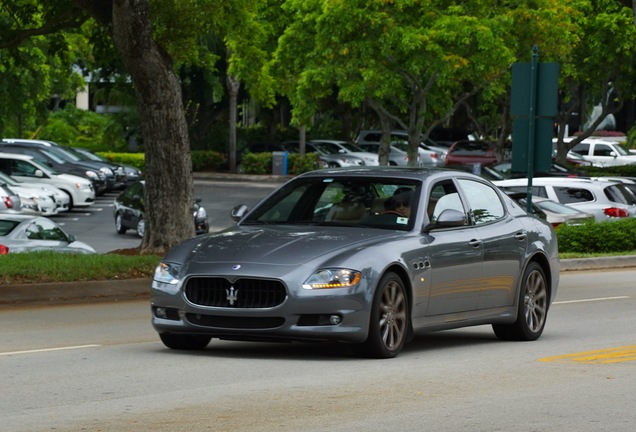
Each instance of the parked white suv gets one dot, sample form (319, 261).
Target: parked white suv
(606, 200)
(25, 168)
(604, 153)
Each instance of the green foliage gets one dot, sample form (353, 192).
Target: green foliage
(298, 164)
(207, 160)
(257, 163)
(609, 236)
(136, 160)
(42, 267)
(621, 171)
(261, 163)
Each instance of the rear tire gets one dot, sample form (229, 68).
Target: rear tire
(532, 310)
(389, 320)
(184, 341)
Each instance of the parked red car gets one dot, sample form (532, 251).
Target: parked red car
(470, 152)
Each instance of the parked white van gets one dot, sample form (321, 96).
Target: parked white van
(24, 168)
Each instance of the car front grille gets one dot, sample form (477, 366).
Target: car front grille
(242, 293)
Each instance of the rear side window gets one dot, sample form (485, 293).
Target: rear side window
(7, 226)
(471, 148)
(568, 195)
(538, 191)
(483, 200)
(581, 148)
(620, 194)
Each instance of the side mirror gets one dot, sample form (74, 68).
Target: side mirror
(71, 238)
(38, 173)
(447, 219)
(238, 212)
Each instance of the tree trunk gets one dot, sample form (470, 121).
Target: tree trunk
(168, 164)
(233, 86)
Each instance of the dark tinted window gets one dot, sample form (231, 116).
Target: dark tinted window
(470, 148)
(581, 148)
(569, 195)
(620, 194)
(7, 226)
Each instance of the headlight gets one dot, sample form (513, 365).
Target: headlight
(200, 213)
(166, 274)
(107, 171)
(332, 278)
(84, 186)
(92, 175)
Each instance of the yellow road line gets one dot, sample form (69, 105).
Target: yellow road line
(604, 356)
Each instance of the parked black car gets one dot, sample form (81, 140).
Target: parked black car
(129, 211)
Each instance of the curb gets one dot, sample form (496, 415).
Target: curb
(598, 263)
(75, 292)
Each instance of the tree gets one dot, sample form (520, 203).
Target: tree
(149, 36)
(412, 62)
(600, 70)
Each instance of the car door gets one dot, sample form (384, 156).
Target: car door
(455, 256)
(503, 241)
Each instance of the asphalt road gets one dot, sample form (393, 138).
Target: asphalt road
(101, 367)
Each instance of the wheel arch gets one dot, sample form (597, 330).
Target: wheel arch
(402, 273)
(543, 262)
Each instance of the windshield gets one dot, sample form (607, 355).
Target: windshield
(343, 201)
(351, 147)
(52, 155)
(65, 155)
(5, 179)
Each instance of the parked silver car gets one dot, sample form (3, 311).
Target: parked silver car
(34, 200)
(9, 200)
(25, 233)
(364, 256)
(343, 147)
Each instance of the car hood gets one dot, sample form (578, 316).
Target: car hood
(281, 244)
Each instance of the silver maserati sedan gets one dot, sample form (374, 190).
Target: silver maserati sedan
(365, 256)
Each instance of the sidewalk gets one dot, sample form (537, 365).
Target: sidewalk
(139, 289)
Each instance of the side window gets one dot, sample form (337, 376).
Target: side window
(602, 150)
(50, 231)
(23, 168)
(483, 201)
(568, 195)
(443, 196)
(582, 149)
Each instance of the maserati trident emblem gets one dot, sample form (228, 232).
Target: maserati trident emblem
(232, 295)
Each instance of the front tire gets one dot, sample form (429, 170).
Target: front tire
(119, 226)
(389, 322)
(141, 228)
(184, 341)
(533, 308)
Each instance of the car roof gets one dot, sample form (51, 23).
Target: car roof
(17, 217)
(15, 156)
(28, 142)
(555, 181)
(413, 173)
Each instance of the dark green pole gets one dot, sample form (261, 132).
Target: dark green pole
(531, 123)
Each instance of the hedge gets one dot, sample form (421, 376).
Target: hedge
(598, 237)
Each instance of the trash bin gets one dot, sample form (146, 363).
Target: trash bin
(279, 163)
